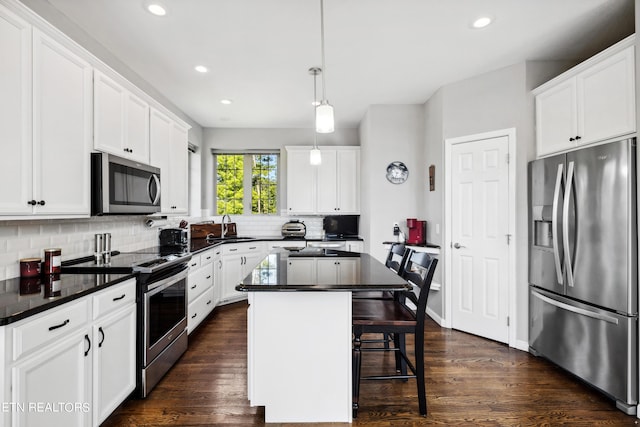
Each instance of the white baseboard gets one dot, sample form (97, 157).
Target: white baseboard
(435, 316)
(521, 345)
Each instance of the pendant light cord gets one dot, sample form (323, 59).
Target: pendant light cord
(315, 102)
(324, 69)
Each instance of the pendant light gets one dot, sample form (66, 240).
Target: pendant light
(315, 158)
(324, 111)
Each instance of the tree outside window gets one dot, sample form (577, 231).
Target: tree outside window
(246, 183)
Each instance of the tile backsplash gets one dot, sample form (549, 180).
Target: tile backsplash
(26, 239)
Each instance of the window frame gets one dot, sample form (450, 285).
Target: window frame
(247, 178)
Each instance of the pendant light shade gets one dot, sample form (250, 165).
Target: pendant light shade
(315, 158)
(324, 117)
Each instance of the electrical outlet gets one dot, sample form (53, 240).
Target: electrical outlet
(396, 229)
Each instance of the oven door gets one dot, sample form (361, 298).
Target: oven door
(165, 313)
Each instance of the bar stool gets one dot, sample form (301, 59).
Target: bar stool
(384, 316)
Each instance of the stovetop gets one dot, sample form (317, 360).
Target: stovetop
(145, 260)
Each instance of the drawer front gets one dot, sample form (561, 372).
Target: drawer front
(232, 249)
(40, 330)
(114, 298)
(206, 258)
(199, 281)
(194, 263)
(199, 309)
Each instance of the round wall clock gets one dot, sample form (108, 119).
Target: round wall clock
(397, 172)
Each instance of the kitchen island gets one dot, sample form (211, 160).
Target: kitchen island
(299, 331)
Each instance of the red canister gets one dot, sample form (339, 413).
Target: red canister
(52, 261)
(29, 267)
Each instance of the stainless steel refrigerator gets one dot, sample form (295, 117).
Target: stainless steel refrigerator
(583, 293)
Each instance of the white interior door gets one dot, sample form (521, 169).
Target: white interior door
(479, 237)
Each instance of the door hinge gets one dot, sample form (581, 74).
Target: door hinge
(508, 239)
(507, 320)
(508, 158)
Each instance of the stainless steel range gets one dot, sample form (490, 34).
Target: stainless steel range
(162, 307)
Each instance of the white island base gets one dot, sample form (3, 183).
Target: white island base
(299, 355)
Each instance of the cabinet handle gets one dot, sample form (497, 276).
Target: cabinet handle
(86, 337)
(578, 137)
(66, 322)
(233, 250)
(572, 139)
(194, 316)
(119, 298)
(41, 202)
(194, 286)
(209, 302)
(101, 333)
(209, 277)
(208, 257)
(194, 264)
(32, 202)
(252, 247)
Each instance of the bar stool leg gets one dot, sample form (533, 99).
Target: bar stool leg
(422, 395)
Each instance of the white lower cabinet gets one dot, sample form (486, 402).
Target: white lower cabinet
(238, 260)
(200, 288)
(114, 367)
(74, 364)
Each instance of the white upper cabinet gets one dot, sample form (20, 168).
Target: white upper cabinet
(301, 182)
(16, 165)
(45, 124)
(333, 187)
(169, 145)
(121, 120)
(592, 102)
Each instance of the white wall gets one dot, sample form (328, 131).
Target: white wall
(500, 99)
(277, 139)
(390, 133)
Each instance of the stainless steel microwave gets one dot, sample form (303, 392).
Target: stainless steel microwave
(123, 187)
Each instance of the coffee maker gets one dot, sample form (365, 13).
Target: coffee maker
(417, 231)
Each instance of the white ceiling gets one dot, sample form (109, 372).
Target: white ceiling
(377, 51)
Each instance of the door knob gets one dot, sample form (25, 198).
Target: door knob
(458, 245)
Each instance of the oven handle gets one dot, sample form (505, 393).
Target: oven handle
(161, 285)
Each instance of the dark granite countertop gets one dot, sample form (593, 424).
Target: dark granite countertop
(21, 298)
(278, 272)
(199, 245)
(424, 245)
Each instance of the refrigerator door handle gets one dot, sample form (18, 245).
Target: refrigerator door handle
(556, 202)
(577, 310)
(565, 224)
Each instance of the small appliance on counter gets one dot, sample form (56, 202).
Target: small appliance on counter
(173, 237)
(294, 229)
(341, 226)
(417, 231)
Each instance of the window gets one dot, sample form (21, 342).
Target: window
(246, 183)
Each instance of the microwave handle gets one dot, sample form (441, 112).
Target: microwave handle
(156, 197)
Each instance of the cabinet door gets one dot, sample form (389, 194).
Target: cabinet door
(348, 182)
(301, 183)
(179, 170)
(58, 373)
(217, 277)
(327, 198)
(15, 115)
(108, 115)
(606, 96)
(62, 135)
(301, 271)
(114, 358)
(327, 270)
(355, 246)
(556, 118)
(137, 128)
(160, 141)
(348, 271)
(231, 276)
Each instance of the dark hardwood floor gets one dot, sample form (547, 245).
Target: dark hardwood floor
(470, 381)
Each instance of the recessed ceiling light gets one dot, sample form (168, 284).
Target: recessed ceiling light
(481, 22)
(226, 101)
(201, 69)
(156, 9)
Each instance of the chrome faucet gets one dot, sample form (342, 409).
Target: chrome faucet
(224, 225)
